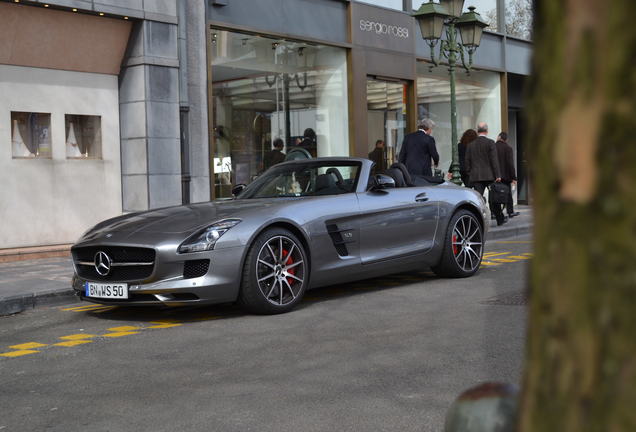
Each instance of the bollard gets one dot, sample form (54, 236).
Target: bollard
(488, 407)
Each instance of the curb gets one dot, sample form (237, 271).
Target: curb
(501, 233)
(20, 303)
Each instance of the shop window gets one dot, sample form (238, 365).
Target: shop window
(31, 135)
(274, 99)
(478, 100)
(83, 136)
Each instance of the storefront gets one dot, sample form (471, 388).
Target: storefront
(316, 78)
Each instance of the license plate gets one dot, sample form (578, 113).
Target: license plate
(102, 290)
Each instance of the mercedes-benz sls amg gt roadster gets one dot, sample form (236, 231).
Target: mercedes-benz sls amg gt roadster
(300, 225)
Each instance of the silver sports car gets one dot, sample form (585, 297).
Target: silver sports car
(301, 225)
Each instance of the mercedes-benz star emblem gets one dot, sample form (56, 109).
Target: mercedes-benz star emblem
(102, 263)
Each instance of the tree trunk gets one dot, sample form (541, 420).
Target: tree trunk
(581, 356)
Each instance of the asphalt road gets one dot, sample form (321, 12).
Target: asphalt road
(385, 354)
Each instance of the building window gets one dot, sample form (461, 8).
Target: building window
(391, 4)
(478, 99)
(83, 136)
(270, 97)
(31, 135)
(519, 18)
(486, 8)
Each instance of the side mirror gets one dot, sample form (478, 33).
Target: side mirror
(236, 190)
(383, 181)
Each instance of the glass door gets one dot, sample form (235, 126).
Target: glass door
(386, 120)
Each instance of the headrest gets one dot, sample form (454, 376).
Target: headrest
(396, 175)
(324, 181)
(405, 172)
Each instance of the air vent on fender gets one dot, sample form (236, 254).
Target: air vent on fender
(338, 240)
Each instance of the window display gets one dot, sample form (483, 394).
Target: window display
(266, 90)
(478, 99)
(83, 136)
(31, 135)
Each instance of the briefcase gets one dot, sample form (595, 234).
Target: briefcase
(498, 193)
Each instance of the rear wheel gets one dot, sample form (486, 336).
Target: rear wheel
(275, 273)
(463, 246)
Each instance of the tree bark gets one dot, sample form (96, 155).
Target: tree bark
(580, 361)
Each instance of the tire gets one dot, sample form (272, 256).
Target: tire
(463, 246)
(274, 282)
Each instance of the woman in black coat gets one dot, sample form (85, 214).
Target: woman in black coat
(469, 136)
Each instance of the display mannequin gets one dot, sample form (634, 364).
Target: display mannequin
(72, 149)
(19, 147)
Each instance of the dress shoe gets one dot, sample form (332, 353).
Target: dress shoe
(513, 214)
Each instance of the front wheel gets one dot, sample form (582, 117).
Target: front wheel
(463, 246)
(275, 274)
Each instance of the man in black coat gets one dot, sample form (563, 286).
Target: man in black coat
(418, 148)
(483, 167)
(507, 166)
(377, 156)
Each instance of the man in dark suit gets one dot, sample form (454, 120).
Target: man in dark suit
(482, 165)
(418, 148)
(377, 156)
(507, 166)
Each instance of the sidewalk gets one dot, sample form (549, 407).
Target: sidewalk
(27, 282)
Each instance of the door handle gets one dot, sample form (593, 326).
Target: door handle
(421, 197)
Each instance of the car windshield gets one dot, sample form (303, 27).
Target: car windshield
(306, 179)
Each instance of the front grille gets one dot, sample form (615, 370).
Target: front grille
(118, 255)
(195, 268)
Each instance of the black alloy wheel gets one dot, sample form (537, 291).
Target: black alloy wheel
(275, 273)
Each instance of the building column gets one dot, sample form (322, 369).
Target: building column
(149, 118)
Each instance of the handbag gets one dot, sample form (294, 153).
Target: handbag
(498, 193)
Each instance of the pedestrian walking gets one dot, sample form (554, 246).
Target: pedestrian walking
(377, 156)
(418, 150)
(507, 167)
(468, 136)
(483, 167)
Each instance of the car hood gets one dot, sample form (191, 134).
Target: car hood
(180, 219)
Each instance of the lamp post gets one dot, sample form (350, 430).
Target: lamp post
(432, 17)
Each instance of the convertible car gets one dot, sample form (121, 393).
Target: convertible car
(301, 225)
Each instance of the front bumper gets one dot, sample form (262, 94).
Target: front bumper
(167, 286)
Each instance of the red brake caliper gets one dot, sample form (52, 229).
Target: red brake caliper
(287, 262)
(455, 248)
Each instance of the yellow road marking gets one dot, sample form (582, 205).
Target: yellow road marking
(123, 328)
(519, 257)
(502, 260)
(72, 343)
(493, 254)
(163, 324)
(119, 334)
(27, 346)
(77, 336)
(487, 263)
(103, 309)
(83, 308)
(528, 254)
(18, 353)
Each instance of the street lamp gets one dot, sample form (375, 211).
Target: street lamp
(431, 18)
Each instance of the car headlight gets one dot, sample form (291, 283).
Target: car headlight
(206, 239)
